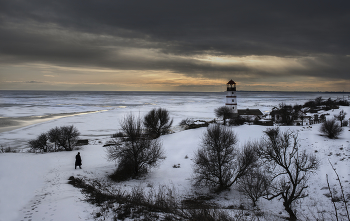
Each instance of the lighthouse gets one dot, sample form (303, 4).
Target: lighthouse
(231, 98)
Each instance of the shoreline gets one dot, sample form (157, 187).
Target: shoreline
(13, 123)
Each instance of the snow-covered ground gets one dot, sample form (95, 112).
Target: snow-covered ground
(35, 186)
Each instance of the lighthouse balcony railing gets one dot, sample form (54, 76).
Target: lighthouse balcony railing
(231, 88)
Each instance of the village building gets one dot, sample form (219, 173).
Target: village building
(250, 113)
(287, 115)
(303, 120)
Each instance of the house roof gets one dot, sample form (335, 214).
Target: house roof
(255, 112)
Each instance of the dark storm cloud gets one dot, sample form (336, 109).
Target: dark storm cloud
(98, 33)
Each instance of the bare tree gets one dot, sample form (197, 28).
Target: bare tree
(331, 128)
(40, 143)
(254, 184)
(341, 117)
(68, 137)
(64, 137)
(224, 112)
(291, 167)
(286, 113)
(218, 163)
(157, 122)
(54, 136)
(135, 152)
(318, 101)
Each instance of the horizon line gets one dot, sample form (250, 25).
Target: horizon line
(178, 91)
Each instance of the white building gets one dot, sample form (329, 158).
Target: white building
(231, 98)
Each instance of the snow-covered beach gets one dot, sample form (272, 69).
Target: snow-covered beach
(35, 186)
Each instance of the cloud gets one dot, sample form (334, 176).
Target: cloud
(33, 82)
(255, 40)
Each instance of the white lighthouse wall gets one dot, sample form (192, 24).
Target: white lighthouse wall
(231, 100)
(231, 93)
(235, 110)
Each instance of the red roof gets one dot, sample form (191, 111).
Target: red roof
(231, 82)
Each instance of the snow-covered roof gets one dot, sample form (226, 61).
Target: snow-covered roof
(254, 112)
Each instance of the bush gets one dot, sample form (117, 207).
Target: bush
(118, 134)
(218, 163)
(135, 152)
(331, 128)
(254, 185)
(68, 137)
(341, 117)
(40, 143)
(124, 171)
(129, 204)
(157, 122)
(344, 103)
(236, 121)
(54, 136)
(209, 215)
(224, 112)
(6, 149)
(162, 203)
(64, 138)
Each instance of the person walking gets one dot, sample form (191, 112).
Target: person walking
(78, 161)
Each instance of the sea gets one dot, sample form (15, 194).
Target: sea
(21, 103)
(26, 114)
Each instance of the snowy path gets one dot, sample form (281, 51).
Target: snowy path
(38, 188)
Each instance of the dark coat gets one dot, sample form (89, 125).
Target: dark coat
(77, 160)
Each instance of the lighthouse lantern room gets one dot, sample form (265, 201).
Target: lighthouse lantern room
(231, 98)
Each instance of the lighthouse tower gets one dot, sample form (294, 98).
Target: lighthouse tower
(231, 98)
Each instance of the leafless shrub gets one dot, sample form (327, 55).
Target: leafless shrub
(223, 112)
(118, 134)
(40, 143)
(118, 204)
(341, 117)
(157, 122)
(236, 121)
(291, 167)
(6, 149)
(54, 135)
(165, 198)
(64, 138)
(218, 164)
(209, 215)
(68, 138)
(331, 128)
(162, 203)
(135, 153)
(254, 184)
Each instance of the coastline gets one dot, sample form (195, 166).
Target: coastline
(13, 123)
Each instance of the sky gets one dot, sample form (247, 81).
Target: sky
(182, 45)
